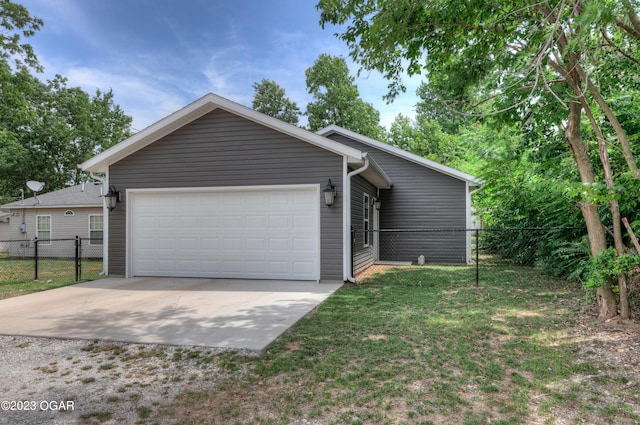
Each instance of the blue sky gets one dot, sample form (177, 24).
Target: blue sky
(160, 55)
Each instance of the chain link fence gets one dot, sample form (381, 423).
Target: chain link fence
(54, 260)
(462, 256)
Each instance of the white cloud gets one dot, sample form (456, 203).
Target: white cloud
(139, 97)
(225, 59)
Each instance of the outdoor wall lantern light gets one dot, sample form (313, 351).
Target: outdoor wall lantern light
(112, 197)
(330, 194)
(377, 203)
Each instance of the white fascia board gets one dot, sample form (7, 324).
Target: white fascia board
(401, 153)
(195, 110)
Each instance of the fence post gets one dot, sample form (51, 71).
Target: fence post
(35, 256)
(77, 258)
(477, 257)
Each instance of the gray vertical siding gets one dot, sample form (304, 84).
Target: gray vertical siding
(420, 198)
(362, 256)
(221, 149)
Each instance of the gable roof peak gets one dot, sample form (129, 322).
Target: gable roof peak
(200, 107)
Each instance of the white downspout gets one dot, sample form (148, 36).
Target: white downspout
(347, 227)
(469, 223)
(105, 225)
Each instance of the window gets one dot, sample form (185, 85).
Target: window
(365, 219)
(69, 213)
(96, 229)
(43, 228)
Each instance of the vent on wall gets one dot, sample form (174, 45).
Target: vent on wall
(69, 213)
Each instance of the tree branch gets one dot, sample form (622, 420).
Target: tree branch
(634, 29)
(618, 49)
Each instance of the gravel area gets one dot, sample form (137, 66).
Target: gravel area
(59, 381)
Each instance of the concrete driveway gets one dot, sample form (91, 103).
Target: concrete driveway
(236, 314)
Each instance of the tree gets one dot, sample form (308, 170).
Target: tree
(431, 107)
(16, 23)
(337, 99)
(423, 137)
(46, 129)
(270, 99)
(546, 60)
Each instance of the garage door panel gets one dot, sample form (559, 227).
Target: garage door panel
(189, 222)
(232, 244)
(212, 221)
(303, 245)
(231, 267)
(279, 244)
(233, 222)
(301, 267)
(256, 221)
(256, 267)
(256, 244)
(258, 234)
(210, 244)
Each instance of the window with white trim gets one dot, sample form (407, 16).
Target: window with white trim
(96, 229)
(365, 218)
(43, 228)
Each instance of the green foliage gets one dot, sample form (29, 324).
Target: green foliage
(524, 185)
(270, 99)
(337, 99)
(607, 265)
(524, 64)
(433, 107)
(425, 138)
(16, 23)
(46, 128)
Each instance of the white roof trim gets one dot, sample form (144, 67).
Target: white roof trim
(195, 110)
(376, 175)
(401, 153)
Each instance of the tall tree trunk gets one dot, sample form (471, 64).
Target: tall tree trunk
(607, 306)
(613, 206)
(613, 120)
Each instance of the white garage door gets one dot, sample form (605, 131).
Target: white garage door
(257, 234)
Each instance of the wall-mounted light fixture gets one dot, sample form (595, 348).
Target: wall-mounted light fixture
(330, 194)
(377, 203)
(112, 197)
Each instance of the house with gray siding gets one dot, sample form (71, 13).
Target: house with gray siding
(56, 218)
(219, 190)
(425, 195)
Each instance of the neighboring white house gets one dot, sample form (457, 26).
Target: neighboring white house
(55, 218)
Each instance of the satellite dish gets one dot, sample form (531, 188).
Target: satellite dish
(35, 186)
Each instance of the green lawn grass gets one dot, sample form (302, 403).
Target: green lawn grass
(417, 346)
(17, 276)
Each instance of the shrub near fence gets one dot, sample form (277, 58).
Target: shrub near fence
(465, 256)
(52, 260)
